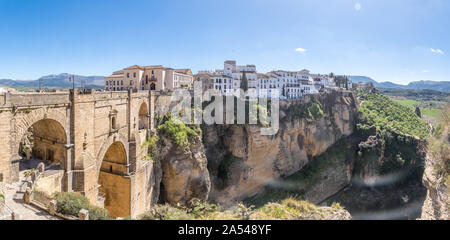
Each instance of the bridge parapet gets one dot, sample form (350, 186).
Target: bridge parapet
(33, 99)
(140, 94)
(110, 95)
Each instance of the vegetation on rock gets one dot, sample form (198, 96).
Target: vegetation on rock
(177, 132)
(151, 143)
(71, 203)
(440, 146)
(311, 111)
(288, 209)
(385, 115)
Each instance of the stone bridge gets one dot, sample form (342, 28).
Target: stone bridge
(96, 138)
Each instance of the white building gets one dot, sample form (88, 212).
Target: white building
(236, 72)
(228, 79)
(281, 84)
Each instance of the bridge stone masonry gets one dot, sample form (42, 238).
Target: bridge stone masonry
(95, 138)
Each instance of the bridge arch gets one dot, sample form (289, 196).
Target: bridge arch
(24, 121)
(115, 184)
(45, 140)
(37, 135)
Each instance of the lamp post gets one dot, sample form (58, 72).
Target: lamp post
(72, 79)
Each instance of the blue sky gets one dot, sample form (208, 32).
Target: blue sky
(388, 40)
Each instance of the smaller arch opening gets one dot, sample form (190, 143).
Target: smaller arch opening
(143, 117)
(115, 187)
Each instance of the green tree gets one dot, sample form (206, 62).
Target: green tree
(244, 82)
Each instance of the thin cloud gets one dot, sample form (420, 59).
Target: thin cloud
(300, 50)
(358, 6)
(437, 51)
(425, 71)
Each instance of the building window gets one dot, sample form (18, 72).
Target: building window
(128, 75)
(134, 74)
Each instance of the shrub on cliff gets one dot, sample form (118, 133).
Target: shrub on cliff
(293, 209)
(151, 143)
(312, 110)
(70, 203)
(195, 210)
(440, 146)
(179, 134)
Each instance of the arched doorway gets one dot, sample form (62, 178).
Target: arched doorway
(44, 142)
(152, 86)
(113, 181)
(143, 116)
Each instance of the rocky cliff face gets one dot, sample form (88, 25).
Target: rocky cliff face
(184, 173)
(242, 162)
(437, 202)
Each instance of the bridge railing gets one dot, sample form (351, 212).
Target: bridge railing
(110, 95)
(34, 99)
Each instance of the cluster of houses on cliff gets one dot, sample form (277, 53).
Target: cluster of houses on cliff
(280, 84)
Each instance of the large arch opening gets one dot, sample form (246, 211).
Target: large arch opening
(45, 141)
(143, 116)
(114, 185)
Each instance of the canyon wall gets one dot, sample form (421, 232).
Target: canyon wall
(437, 201)
(184, 173)
(242, 162)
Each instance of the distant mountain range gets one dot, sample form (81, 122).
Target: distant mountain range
(62, 81)
(57, 81)
(418, 85)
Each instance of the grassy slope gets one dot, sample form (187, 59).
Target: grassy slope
(387, 115)
(428, 111)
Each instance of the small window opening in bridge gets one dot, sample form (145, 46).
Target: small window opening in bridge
(113, 123)
(111, 169)
(143, 117)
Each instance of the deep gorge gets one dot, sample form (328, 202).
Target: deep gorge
(321, 156)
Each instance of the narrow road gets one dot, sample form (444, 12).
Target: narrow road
(14, 200)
